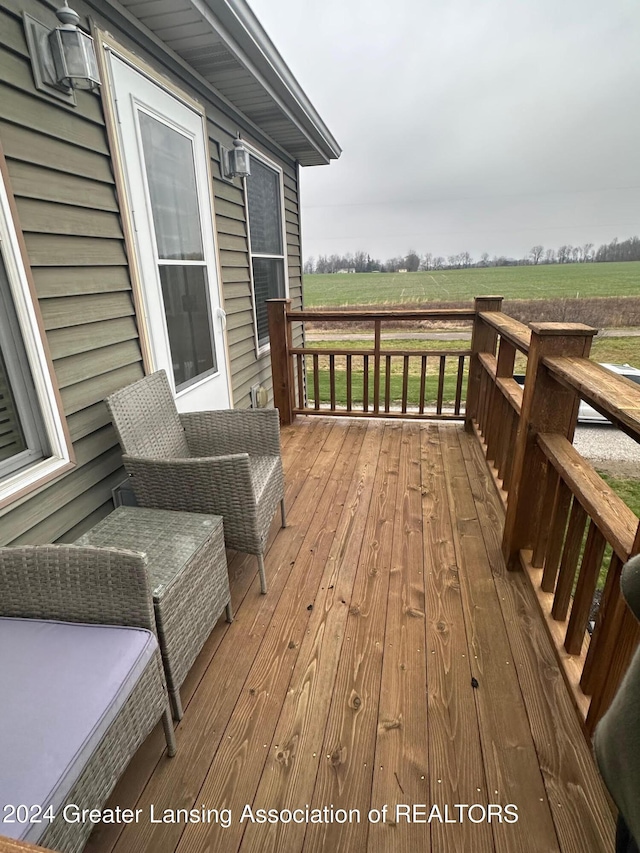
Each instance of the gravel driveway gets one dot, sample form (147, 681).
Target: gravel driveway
(609, 449)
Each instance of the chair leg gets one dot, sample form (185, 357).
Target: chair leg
(263, 577)
(167, 724)
(229, 612)
(176, 703)
(283, 513)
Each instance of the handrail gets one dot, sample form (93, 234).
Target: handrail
(560, 515)
(365, 382)
(371, 352)
(617, 398)
(350, 315)
(512, 330)
(610, 513)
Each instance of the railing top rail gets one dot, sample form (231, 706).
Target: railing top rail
(614, 519)
(418, 353)
(453, 314)
(615, 397)
(507, 327)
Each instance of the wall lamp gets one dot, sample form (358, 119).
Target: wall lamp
(235, 161)
(64, 58)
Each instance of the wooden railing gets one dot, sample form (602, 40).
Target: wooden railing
(564, 525)
(358, 381)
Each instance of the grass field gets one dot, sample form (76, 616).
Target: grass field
(560, 281)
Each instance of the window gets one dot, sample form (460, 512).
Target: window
(32, 438)
(22, 439)
(266, 240)
(173, 193)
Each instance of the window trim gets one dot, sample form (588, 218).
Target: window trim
(267, 161)
(31, 328)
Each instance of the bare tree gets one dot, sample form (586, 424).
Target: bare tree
(550, 256)
(438, 262)
(465, 259)
(360, 260)
(587, 252)
(536, 253)
(427, 261)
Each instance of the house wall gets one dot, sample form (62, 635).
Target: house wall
(61, 175)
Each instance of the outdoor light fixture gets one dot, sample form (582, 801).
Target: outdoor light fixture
(235, 161)
(64, 58)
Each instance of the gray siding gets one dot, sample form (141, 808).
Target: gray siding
(61, 175)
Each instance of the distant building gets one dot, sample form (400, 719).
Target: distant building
(351, 269)
(402, 270)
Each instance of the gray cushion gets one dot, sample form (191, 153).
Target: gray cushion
(62, 685)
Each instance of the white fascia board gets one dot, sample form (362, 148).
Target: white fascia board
(243, 34)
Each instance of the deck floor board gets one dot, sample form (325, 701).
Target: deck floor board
(349, 683)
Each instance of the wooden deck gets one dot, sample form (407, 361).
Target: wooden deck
(393, 661)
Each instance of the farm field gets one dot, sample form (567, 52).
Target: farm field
(562, 281)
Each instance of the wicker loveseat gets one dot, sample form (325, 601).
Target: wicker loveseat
(82, 684)
(224, 463)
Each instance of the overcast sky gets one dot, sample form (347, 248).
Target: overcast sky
(467, 125)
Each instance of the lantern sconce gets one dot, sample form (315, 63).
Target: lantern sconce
(63, 59)
(235, 161)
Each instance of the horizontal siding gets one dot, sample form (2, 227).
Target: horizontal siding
(47, 117)
(61, 176)
(29, 146)
(79, 396)
(72, 340)
(30, 181)
(78, 310)
(53, 218)
(58, 250)
(70, 281)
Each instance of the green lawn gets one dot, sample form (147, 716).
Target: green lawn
(527, 282)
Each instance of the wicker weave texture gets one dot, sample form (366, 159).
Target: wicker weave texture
(187, 567)
(229, 453)
(90, 585)
(132, 726)
(146, 421)
(105, 586)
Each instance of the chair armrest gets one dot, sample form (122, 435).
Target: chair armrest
(253, 431)
(217, 485)
(73, 583)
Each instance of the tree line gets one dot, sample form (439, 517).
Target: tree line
(360, 261)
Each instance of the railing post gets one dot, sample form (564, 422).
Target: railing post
(281, 364)
(483, 339)
(546, 407)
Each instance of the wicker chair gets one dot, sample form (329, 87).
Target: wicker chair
(224, 463)
(91, 586)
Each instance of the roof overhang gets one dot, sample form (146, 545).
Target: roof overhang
(225, 44)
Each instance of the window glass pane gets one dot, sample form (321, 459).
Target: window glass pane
(268, 283)
(169, 164)
(22, 439)
(186, 306)
(265, 225)
(12, 439)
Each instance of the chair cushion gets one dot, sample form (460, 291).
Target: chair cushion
(62, 685)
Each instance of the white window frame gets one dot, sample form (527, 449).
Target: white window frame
(254, 153)
(59, 451)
